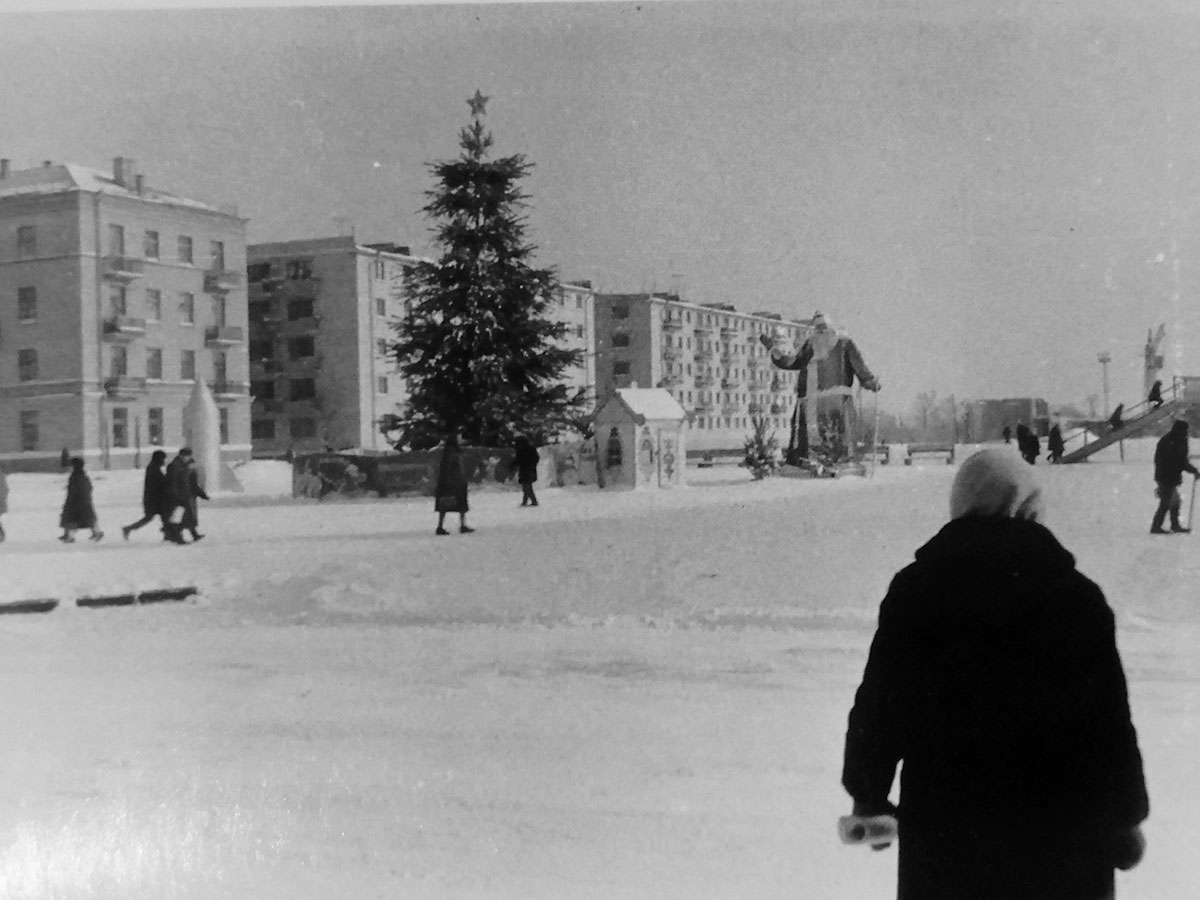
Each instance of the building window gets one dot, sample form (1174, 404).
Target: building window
(262, 349)
(220, 311)
(579, 301)
(258, 310)
(29, 429)
(185, 252)
(118, 361)
(154, 363)
(380, 306)
(120, 426)
(621, 367)
(153, 305)
(262, 430)
(303, 388)
(380, 270)
(223, 424)
(381, 384)
(258, 272)
(620, 311)
(301, 347)
(620, 339)
(187, 365)
(216, 252)
(118, 300)
(299, 269)
(154, 425)
(26, 303)
(301, 308)
(219, 367)
(150, 245)
(116, 240)
(26, 241)
(262, 390)
(187, 308)
(302, 428)
(27, 365)
(381, 346)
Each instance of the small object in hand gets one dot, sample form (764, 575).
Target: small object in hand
(878, 831)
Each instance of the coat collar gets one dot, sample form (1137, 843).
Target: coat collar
(994, 541)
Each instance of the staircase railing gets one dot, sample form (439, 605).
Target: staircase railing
(1083, 436)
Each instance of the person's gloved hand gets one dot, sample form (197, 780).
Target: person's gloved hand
(1128, 847)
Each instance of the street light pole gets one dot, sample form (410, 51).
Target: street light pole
(1105, 358)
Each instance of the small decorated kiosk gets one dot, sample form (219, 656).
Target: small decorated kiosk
(639, 439)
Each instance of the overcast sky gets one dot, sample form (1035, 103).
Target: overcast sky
(985, 199)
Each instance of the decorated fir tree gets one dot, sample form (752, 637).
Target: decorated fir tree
(762, 450)
(478, 348)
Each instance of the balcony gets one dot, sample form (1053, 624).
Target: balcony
(731, 409)
(756, 409)
(221, 281)
(703, 406)
(224, 336)
(124, 387)
(704, 381)
(269, 366)
(670, 354)
(123, 268)
(777, 385)
(703, 330)
(124, 328)
(668, 381)
(730, 382)
(228, 390)
(672, 324)
(778, 408)
(728, 332)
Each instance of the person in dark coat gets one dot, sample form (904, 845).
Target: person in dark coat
(1155, 397)
(1054, 444)
(1170, 462)
(78, 510)
(1117, 421)
(1028, 444)
(994, 677)
(1007, 434)
(451, 493)
(183, 487)
(525, 461)
(154, 495)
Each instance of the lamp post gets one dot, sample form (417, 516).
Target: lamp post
(1104, 359)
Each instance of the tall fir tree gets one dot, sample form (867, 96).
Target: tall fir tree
(480, 353)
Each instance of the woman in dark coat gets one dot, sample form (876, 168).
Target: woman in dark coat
(78, 511)
(1054, 444)
(1028, 444)
(525, 461)
(154, 494)
(994, 676)
(451, 493)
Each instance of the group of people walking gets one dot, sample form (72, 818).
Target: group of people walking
(169, 493)
(453, 480)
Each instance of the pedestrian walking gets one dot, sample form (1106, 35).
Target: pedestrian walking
(183, 487)
(994, 677)
(1007, 434)
(1054, 444)
(3, 501)
(78, 510)
(451, 493)
(1170, 462)
(154, 495)
(525, 461)
(1117, 420)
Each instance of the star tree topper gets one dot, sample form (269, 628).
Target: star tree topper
(478, 104)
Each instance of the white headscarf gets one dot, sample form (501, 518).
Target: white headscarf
(996, 483)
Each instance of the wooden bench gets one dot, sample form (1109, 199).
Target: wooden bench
(922, 450)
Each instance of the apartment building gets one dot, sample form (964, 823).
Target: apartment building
(117, 296)
(322, 316)
(575, 307)
(707, 355)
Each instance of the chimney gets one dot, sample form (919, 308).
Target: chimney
(123, 171)
(140, 181)
(4, 168)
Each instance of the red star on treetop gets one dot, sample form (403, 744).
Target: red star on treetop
(477, 103)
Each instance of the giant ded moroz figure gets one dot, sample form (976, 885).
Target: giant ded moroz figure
(824, 423)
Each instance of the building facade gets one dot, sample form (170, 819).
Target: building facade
(707, 355)
(117, 297)
(323, 313)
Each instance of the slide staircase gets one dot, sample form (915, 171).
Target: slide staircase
(1139, 419)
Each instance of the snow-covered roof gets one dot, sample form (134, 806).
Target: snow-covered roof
(648, 403)
(66, 177)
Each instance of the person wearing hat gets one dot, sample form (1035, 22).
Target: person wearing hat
(825, 418)
(994, 677)
(1170, 462)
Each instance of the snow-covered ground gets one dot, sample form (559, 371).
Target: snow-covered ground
(613, 695)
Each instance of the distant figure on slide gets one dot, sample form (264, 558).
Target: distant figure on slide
(1155, 397)
(1170, 462)
(1116, 421)
(1007, 433)
(1054, 444)
(1028, 444)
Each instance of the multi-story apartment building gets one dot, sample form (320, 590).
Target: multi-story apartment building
(707, 355)
(116, 297)
(322, 316)
(575, 306)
